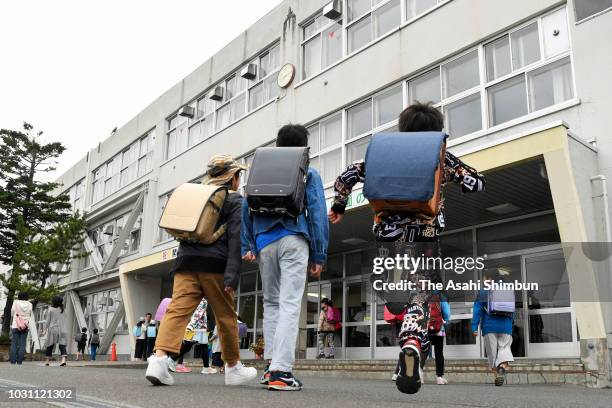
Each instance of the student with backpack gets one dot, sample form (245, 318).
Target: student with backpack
(411, 216)
(493, 312)
(439, 315)
(81, 341)
(195, 333)
(286, 231)
(140, 332)
(21, 320)
(329, 322)
(207, 264)
(94, 343)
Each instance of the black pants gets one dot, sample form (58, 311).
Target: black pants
(438, 346)
(62, 348)
(141, 349)
(187, 346)
(150, 346)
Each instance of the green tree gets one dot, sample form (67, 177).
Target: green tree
(23, 158)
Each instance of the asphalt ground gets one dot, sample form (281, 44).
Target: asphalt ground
(105, 387)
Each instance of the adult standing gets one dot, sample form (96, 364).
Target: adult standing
(21, 313)
(55, 330)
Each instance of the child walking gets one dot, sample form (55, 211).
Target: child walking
(412, 234)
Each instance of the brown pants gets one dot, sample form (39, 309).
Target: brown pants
(189, 289)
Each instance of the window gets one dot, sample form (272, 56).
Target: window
(374, 115)
(325, 141)
(369, 20)
(106, 236)
(162, 234)
(460, 74)
(454, 89)
(525, 46)
(507, 100)
(99, 309)
(425, 88)
(497, 55)
(264, 88)
(321, 45)
(587, 8)
(75, 193)
(123, 168)
(537, 79)
(550, 85)
(233, 106)
(415, 8)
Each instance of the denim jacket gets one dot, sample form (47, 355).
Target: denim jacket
(312, 223)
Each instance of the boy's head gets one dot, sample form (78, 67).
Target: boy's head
(292, 136)
(22, 296)
(421, 117)
(95, 331)
(84, 330)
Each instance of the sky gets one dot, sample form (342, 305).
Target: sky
(76, 69)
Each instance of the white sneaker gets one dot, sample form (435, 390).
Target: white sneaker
(394, 377)
(422, 375)
(239, 374)
(171, 365)
(157, 371)
(441, 381)
(208, 370)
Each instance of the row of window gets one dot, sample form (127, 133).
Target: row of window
(123, 168)
(105, 237)
(364, 21)
(522, 71)
(75, 193)
(238, 97)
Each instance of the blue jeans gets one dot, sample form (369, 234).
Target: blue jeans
(94, 350)
(283, 265)
(18, 345)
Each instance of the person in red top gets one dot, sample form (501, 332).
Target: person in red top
(325, 330)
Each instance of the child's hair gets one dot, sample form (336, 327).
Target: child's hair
(22, 296)
(95, 331)
(326, 301)
(292, 136)
(421, 117)
(58, 301)
(84, 330)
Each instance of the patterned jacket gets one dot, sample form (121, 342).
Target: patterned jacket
(412, 227)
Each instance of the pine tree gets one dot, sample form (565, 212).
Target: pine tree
(23, 158)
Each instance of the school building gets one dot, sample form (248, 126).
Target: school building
(525, 90)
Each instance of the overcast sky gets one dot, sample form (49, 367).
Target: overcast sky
(76, 69)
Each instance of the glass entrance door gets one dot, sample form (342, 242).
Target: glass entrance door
(552, 323)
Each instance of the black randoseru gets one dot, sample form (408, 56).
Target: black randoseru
(277, 180)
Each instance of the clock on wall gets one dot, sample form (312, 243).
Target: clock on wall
(285, 75)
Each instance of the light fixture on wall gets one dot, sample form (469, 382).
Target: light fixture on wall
(333, 9)
(249, 71)
(216, 94)
(503, 209)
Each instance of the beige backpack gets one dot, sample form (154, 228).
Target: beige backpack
(192, 213)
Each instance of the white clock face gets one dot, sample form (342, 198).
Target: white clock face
(285, 75)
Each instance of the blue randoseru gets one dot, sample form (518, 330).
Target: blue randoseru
(401, 166)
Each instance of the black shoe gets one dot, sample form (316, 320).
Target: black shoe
(409, 377)
(500, 377)
(320, 356)
(283, 381)
(329, 357)
(63, 365)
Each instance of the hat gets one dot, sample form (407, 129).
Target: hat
(221, 169)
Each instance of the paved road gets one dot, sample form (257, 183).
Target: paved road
(114, 387)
